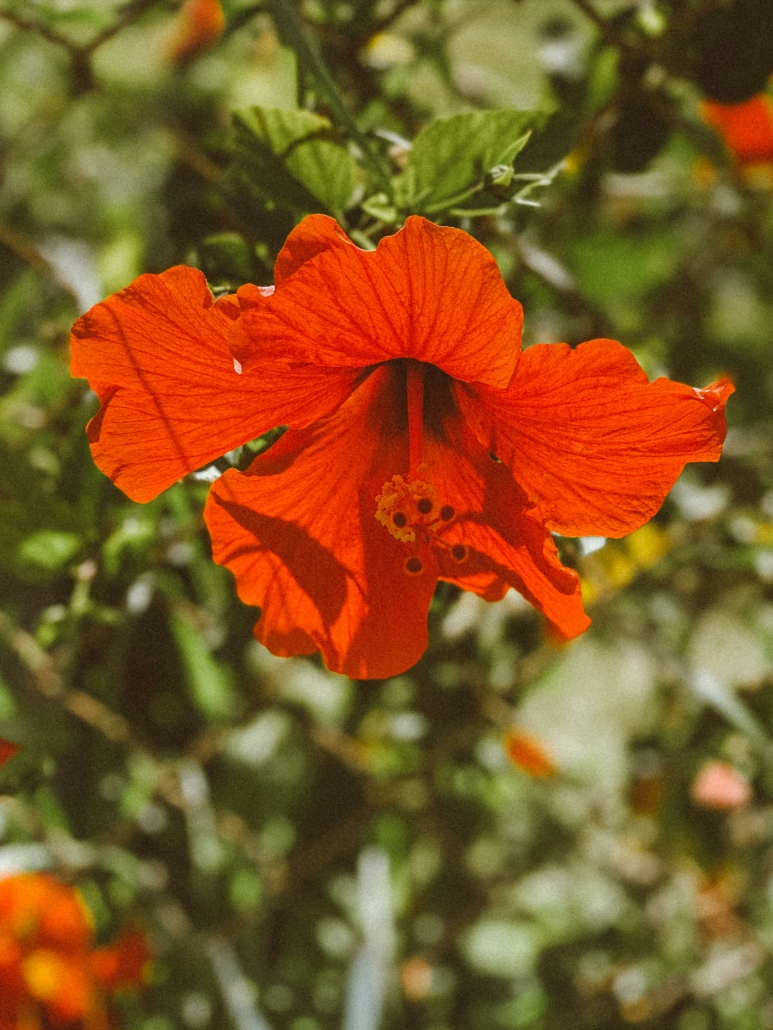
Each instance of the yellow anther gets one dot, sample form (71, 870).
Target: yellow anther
(406, 505)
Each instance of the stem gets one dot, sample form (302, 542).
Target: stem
(414, 376)
(292, 29)
(476, 212)
(459, 198)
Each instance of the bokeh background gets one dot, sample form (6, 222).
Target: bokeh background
(513, 834)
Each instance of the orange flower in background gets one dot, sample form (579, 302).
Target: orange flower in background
(198, 26)
(7, 751)
(423, 444)
(50, 976)
(746, 129)
(529, 754)
(720, 785)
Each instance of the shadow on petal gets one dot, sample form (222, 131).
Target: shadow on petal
(313, 567)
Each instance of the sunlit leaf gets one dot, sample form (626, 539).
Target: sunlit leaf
(453, 154)
(292, 159)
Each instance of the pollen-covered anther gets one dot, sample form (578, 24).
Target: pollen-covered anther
(406, 506)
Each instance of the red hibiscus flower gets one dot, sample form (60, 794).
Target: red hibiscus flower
(7, 751)
(50, 976)
(746, 129)
(422, 444)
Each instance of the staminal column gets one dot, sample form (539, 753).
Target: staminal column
(414, 381)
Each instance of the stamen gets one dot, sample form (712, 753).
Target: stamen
(414, 381)
(447, 512)
(406, 506)
(414, 566)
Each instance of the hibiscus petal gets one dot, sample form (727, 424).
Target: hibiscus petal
(299, 532)
(157, 356)
(506, 543)
(428, 292)
(594, 443)
(312, 236)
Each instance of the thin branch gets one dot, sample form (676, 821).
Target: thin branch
(24, 249)
(49, 682)
(383, 23)
(125, 17)
(131, 12)
(609, 31)
(20, 22)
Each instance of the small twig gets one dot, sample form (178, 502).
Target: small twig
(49, 682)
(24, 249)
(609, 31)
(80, 55)
(20, 22)
(190, 153)
(28, 252)
(383, 23)
(125, 17)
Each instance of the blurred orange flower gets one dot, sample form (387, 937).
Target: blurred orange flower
(529, 754)
(746, 129)
(198, 26)
(51, 977)
(423, 445)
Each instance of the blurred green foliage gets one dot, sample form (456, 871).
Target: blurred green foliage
(310, 853)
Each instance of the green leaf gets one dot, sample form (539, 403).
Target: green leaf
(289, 158)
(49, 550)
(612, 266)
(36, 526)
(14, 302)
(452, 155)
(209, 683)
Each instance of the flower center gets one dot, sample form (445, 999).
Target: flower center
(408, 506)
(410, 510)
